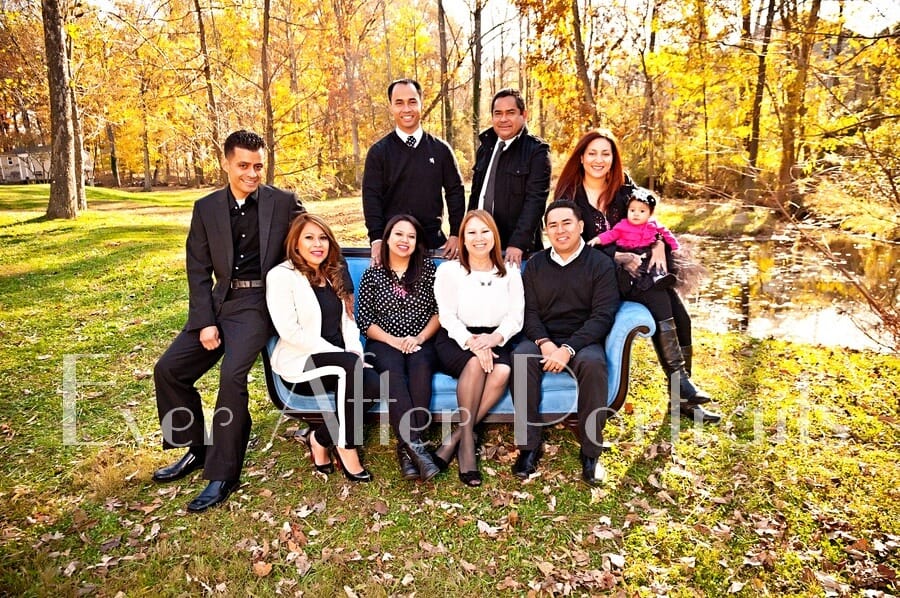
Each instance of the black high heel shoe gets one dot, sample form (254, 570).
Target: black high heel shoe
(304, 437)
(363, 476)
(471, 479)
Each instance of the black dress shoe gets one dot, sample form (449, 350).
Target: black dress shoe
(698, 413)
(408, 469)
(191, 462)
(527, 462)
(592, 470)
(425, 465)
(215, 493)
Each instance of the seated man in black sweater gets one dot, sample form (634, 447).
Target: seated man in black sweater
(571, 300)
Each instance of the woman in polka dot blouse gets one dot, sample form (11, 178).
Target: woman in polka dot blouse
(398, 315)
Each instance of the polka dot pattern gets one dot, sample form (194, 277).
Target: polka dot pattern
(383, 301)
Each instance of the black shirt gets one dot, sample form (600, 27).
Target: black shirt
(245, 236)
(331, 307)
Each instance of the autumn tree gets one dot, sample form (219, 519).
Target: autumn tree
(63, 194)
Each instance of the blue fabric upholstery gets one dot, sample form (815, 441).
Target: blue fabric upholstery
(558, 390)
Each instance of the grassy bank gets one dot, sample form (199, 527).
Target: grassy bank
(793, 494)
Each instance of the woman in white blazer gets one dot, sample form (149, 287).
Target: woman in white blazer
(308, 302)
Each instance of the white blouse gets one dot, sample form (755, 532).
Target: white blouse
(479, 300)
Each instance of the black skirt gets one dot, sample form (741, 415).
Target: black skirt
(452, 359)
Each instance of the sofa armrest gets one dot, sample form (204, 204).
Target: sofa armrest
(632, 319)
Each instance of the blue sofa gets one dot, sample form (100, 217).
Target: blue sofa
(557, 405)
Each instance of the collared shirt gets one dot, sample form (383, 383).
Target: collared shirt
(487, 175)
(417, 134)
(245, 236)
(563, 262)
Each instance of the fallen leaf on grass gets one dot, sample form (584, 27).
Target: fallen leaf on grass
(617, 560)
(487, 529)
(262, 569)
(467, 566)
(735, 587)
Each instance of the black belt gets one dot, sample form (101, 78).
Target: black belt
(247, 284)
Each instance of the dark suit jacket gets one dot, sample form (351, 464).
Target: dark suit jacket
(522, 186)
(210, 248)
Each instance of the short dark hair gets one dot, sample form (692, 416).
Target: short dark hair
(510, 92)
(563, 203)
(244, 139)
(397, 82)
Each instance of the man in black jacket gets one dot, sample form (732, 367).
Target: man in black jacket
(236, 236)
(511, 178)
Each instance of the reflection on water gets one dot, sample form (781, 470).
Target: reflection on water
(783, 289)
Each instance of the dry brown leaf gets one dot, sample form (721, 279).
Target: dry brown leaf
(261, 568)
(735, 587)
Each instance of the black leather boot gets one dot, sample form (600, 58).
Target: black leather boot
(665, 341)
(408, 469)
(422, 460)
(687, 352)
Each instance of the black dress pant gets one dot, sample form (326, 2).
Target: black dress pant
(244, 328)
(343, 426)
(409, 386)
(589, 369)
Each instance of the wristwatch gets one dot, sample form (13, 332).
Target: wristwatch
(569, 349)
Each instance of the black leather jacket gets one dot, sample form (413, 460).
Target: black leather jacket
(522, 187)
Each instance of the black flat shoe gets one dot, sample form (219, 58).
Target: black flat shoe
(441, 464)
(363, 476)
(304, 437)
(215, 493)
(527, 462)
(698, 413)
(592, 470)
(408, 469)
(470, 478)
(191, 462)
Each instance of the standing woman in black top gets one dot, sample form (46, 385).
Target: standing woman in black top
(594, 178)
(398, 315)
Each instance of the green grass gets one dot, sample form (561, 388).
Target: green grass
(795, 492)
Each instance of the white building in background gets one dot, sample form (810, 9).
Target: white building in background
(32, 165)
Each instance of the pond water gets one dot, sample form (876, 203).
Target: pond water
(783, 288)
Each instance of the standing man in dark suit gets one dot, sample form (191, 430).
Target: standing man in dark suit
(511, 177)
(407, 172)
(236, 236)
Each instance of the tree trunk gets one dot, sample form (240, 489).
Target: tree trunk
(350, 77)
(788, 194)
(267, 98)
(78, 143)
(212, 111)
(749, 178)
(581, 66)
(63, 194)
(113, 157)
(476, 73)
(145, 138)
(77, 134)
(446, 110)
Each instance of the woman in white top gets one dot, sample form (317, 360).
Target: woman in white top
(481, 306)
(307, 301)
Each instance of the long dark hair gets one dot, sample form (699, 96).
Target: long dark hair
(496, 256)
(331, 270)
(416, 259)
(572, 174)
